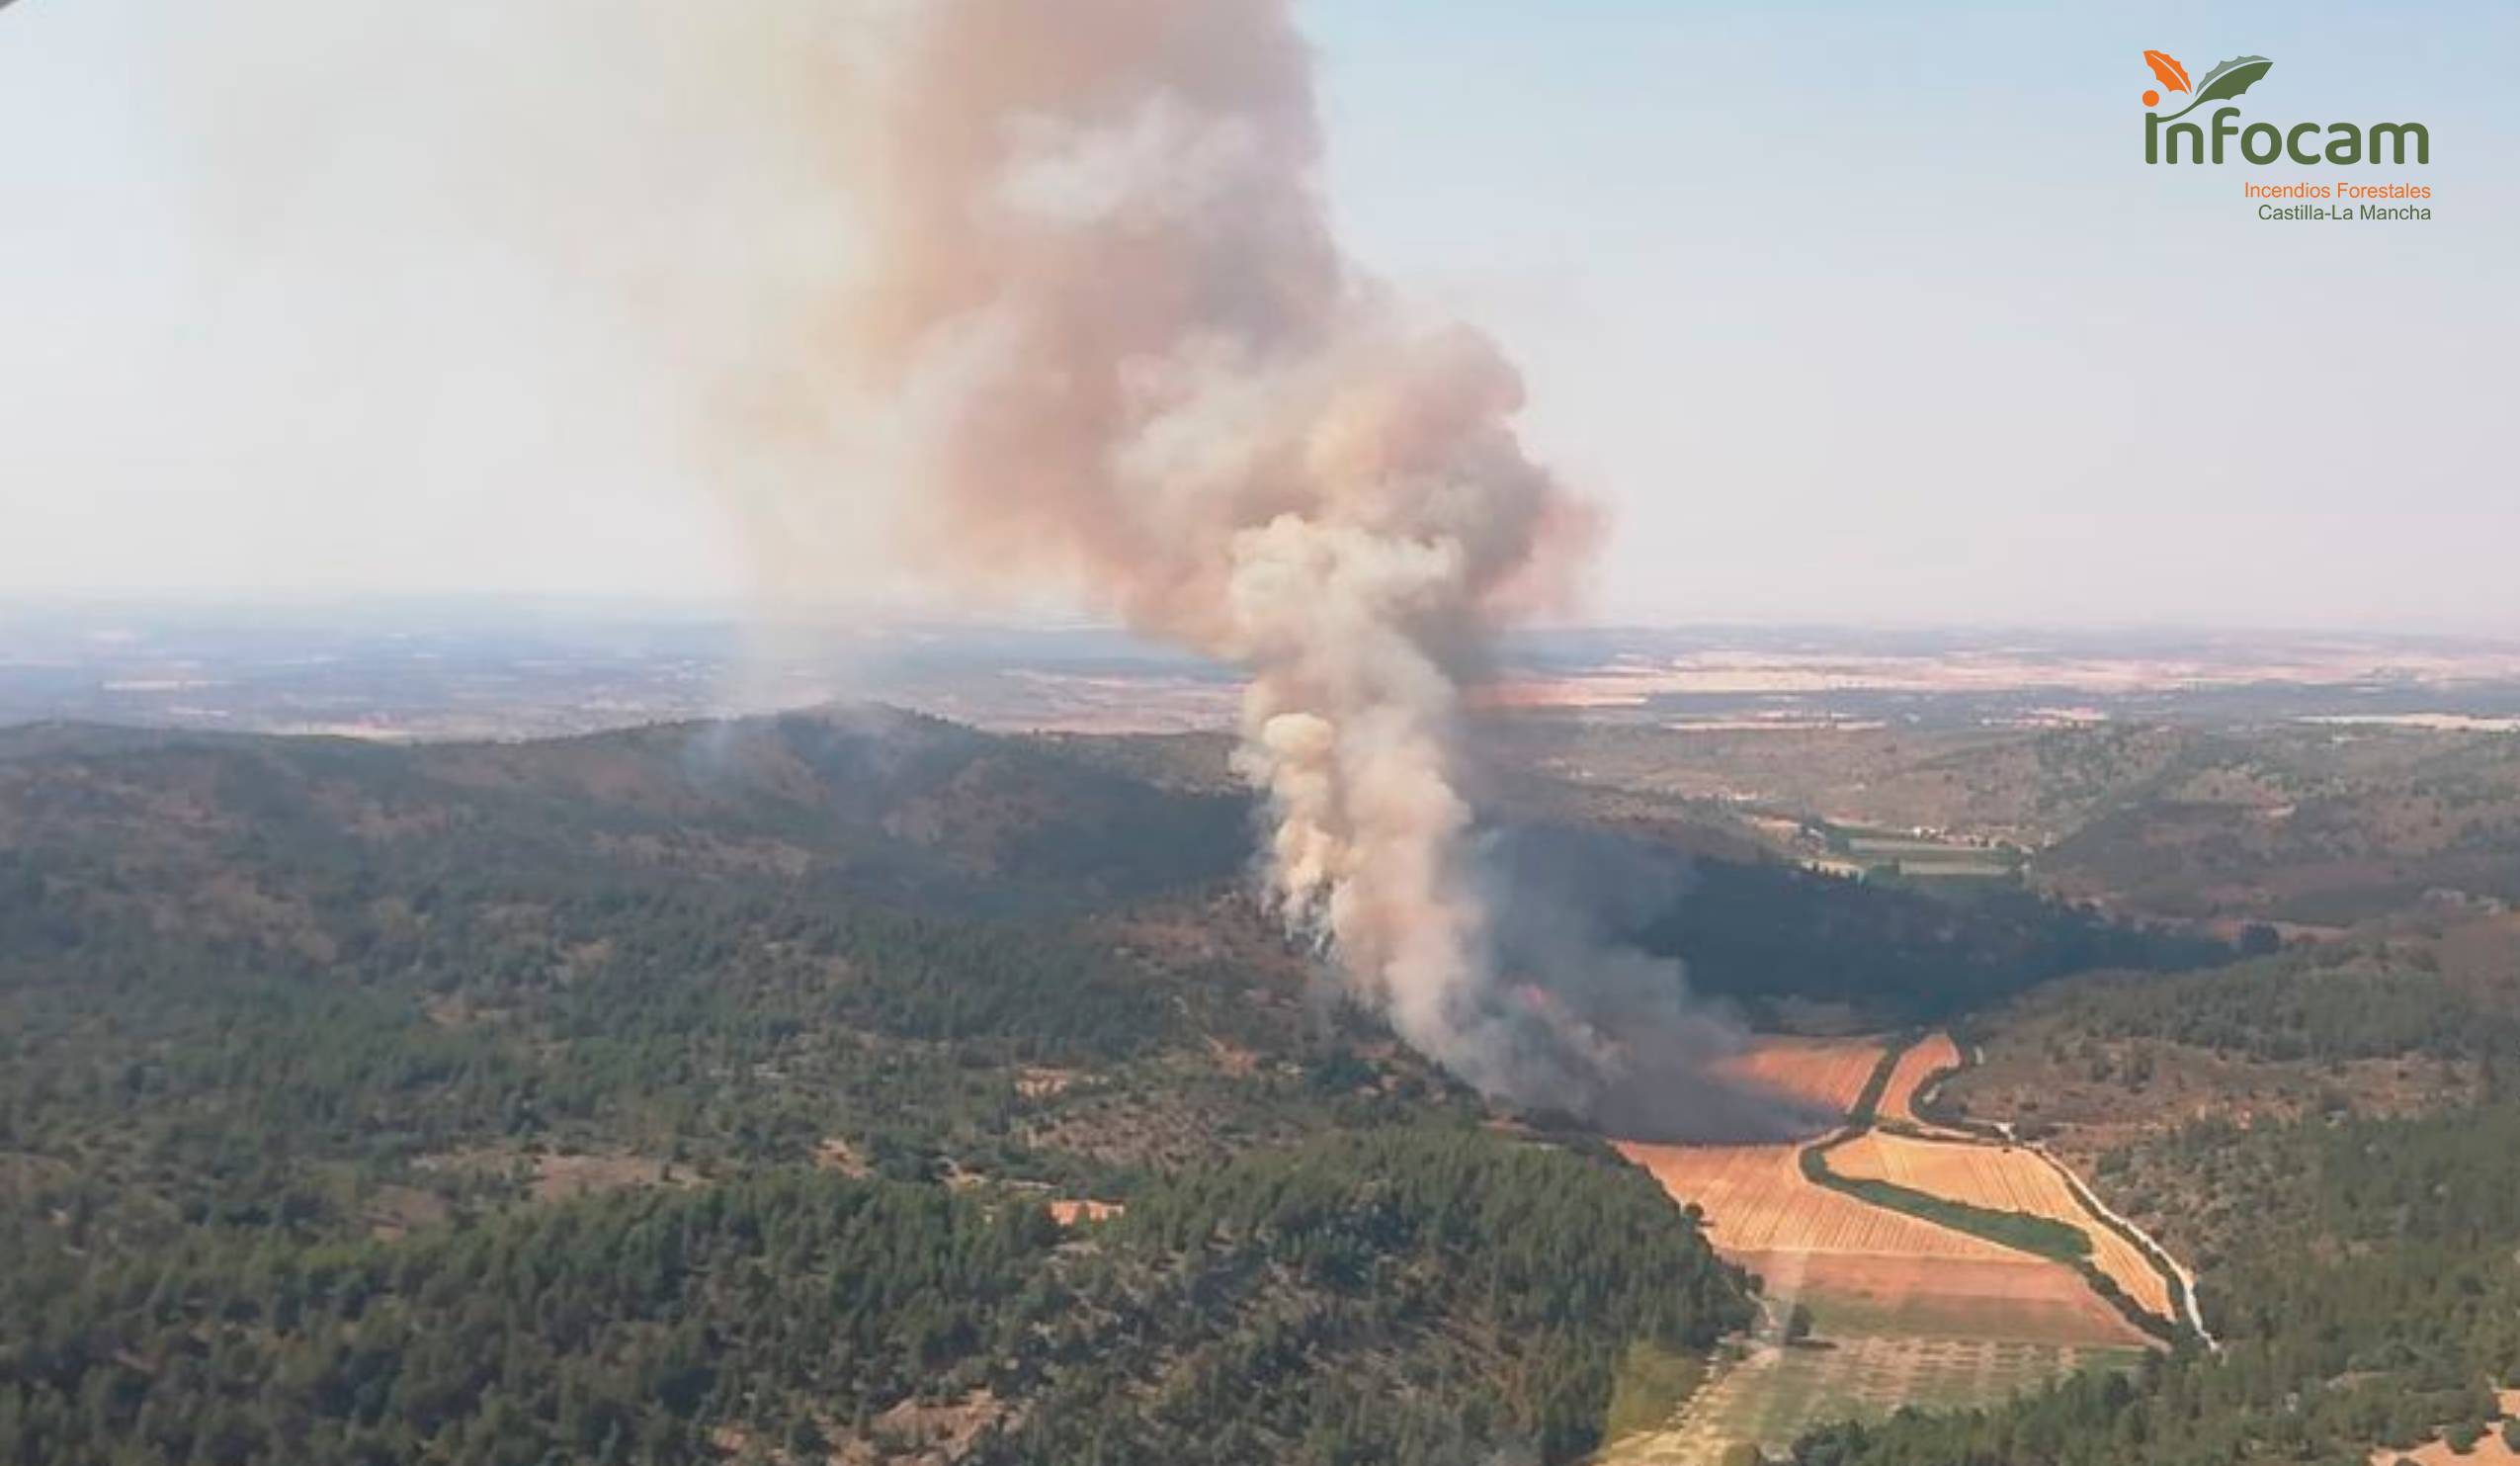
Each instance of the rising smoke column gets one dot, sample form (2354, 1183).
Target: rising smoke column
(1019, 294)
(1120, 346)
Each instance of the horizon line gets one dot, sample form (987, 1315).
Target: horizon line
(738, 612)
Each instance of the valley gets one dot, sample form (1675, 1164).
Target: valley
(1191, 733)
(294, 1025)
(1896, 1309)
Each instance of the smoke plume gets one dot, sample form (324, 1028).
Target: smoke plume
(1103, 298)
(1623, 1045)
(1034, 297)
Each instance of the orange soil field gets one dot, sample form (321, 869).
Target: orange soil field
(2001, 1178)
(1825, 1071)
(1869, 1269)
(1927, 1058)
(1757, 1201)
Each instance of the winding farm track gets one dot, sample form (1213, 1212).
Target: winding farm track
(2161, 1255)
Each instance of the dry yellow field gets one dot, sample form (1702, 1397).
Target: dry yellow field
(1914, 1312)
(2013, 1297)
(1825, 1071)
(2001, 1178)
(1757, 1201)
(1927, 1058)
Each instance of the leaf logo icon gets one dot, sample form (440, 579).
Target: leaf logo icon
(2222, 83)
(2166, 66)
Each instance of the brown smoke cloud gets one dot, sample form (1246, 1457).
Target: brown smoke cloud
(1120, 346)
(1019, 296)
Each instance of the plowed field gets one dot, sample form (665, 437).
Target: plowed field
(1756, 1200)
(2012, 1297)
(1825, 1071)
(1911, 1313)
(1929, 1056)
(2001, 1178)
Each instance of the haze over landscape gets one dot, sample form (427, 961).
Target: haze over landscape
(963, 733)
(1863, 316)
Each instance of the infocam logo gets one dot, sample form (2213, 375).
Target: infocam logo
(2166, 138)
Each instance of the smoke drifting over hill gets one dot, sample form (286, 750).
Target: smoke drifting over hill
(1101, 293)
(1623, 1045)
(1035, 297)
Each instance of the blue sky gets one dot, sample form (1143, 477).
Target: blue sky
(1877, 311)
(1847, 314)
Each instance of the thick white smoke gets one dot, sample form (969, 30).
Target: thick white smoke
(1123, 347)
(1029, 295)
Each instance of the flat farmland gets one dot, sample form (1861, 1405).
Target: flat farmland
(1756, 1199)
(2011, 1297)
(1928, 1056)
(1829, 1071)
(1906, 1311)
(2000, 1179)
(1777, 1393)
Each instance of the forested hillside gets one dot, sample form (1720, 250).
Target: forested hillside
(2370, 1000)
(891, 806)
(316, 852)
(682, 1095)
(1406, 1295)
(1760, 932)
(699, 1093)
(2321, 823)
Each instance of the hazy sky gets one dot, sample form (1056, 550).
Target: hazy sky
(1846, 314)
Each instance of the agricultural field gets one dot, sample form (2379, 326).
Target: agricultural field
(1924, 1059)
(2004, 1178)
(1757, 1201)
(2012, 1297)
(1920, 857)
(1775, 1394)
(1903, 1311)
(1827, 1072)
